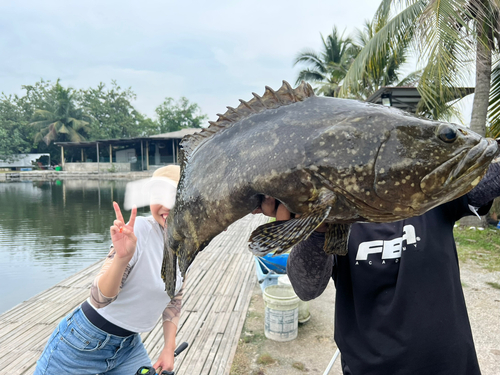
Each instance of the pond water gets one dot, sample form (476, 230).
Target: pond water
(50, 230)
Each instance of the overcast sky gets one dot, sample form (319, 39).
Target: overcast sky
(212, 52)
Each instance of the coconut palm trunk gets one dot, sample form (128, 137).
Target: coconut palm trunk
(480, 104)
(483, 85)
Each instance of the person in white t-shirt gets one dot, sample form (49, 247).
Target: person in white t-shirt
(127, 297)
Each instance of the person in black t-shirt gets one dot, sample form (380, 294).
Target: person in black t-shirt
(399, 307)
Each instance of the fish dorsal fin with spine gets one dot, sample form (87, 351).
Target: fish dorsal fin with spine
(271, 99)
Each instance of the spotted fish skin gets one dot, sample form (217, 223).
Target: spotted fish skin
(329, 160)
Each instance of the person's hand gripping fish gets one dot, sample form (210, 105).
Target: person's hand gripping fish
(122, 234)
(273, 208)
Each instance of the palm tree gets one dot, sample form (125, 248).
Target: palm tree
(58, 116)
(444, 33)
(382, 69)
(486, 14)
(327, 68)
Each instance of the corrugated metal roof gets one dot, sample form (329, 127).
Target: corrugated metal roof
(407, 97)
(172, 135)
(178, 134)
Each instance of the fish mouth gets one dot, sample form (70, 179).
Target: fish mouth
(461, 171)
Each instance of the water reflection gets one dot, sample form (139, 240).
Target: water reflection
(49, 230)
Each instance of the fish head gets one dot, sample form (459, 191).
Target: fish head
(423, 163)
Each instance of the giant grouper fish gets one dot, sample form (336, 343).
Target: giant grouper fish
(326, 159)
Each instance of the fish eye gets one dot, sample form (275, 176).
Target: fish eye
(447, 134)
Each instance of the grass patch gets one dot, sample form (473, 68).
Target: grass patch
(299, 366)
(493, 285)
(252, 337)
(241, 364)
(480, 246)
(265, 359)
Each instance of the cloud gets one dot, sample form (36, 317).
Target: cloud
(213, 53)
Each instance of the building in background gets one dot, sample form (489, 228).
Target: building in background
(124, 155)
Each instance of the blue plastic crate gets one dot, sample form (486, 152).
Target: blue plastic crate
(277, 267)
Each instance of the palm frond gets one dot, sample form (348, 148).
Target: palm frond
(328, 66)
(442, 43)
(396, 32)
(78, 124)
(411, 79)
(310, 76)
(50, 136)
(63, 129)
(41, 124)
(41, 114)
(308, 56)
(74, 136)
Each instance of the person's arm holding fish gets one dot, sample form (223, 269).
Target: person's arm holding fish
(309, 268)
(488, 188)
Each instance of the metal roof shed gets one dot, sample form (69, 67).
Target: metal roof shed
(407, 97)
(168, 142)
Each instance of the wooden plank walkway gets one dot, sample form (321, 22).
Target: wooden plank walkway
(213, 312)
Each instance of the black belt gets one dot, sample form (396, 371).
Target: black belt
(103, 324)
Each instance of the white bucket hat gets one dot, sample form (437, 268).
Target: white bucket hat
(159, 189)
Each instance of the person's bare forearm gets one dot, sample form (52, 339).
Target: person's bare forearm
(109, 282)
(166, 359)
(169, 332)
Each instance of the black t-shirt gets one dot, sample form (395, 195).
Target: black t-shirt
(400, 308)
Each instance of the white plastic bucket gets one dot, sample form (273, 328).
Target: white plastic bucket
(304, 314)
(282, 313)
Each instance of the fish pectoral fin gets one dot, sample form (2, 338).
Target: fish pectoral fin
(282, 235)
(336, 238)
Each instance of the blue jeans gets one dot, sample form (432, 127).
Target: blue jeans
(78, 347)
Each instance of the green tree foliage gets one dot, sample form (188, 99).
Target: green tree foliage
(448, 35)
(113, 116)
(382, 69)
(49, 112)
(14, 132)
(58, 118)
(327, 69)
(178, 115)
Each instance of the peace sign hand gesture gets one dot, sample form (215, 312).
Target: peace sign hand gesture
(122, 234)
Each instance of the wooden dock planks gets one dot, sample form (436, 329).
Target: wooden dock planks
(214, 308)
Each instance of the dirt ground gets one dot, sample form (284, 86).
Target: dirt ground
(314, 347)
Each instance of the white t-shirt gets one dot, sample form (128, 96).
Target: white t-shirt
(143, 298)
